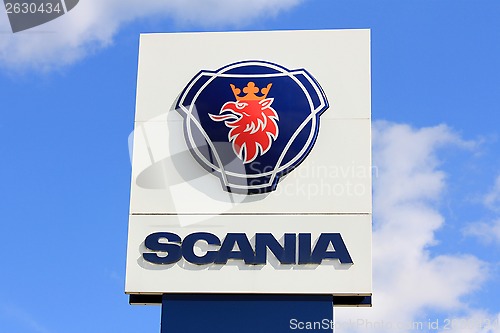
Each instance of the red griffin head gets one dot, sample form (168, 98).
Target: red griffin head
(252, 120)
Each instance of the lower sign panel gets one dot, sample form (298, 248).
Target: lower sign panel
(249, 254)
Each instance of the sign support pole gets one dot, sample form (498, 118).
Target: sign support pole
(224, 313)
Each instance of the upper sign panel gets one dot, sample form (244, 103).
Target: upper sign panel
(253, 131)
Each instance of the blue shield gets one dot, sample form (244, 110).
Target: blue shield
(251, 122)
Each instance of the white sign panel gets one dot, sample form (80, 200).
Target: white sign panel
(251, 169)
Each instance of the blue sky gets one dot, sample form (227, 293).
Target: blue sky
(68, 93)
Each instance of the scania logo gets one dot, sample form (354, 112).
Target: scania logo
(251, 122)
(164, 248)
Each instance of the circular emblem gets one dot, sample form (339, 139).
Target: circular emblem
(251, 122)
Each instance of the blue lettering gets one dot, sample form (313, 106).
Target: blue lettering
(285, 254)
(244, 252)
(304, 249)
(152, 242)
(321, 252)
(188, 248)
(168, 248)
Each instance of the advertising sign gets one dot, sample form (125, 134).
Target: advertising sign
(251, 167)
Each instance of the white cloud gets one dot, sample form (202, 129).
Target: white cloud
(487, 232)
(408, 279)
(92, 24)
(22, 318)
(492, 199)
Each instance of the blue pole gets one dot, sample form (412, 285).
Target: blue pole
(225, 313)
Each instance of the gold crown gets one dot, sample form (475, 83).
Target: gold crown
(250, 90)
